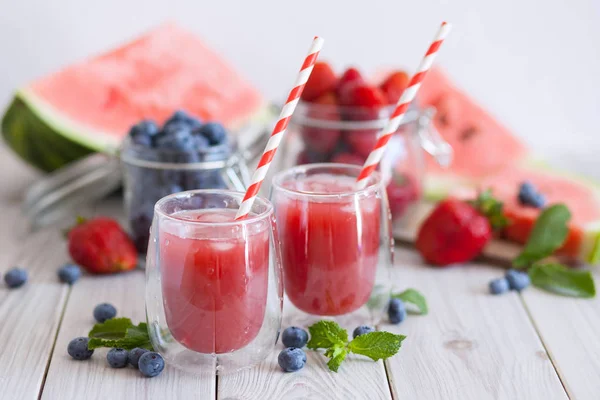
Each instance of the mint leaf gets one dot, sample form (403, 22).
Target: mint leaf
(115, 328)
(548, 234)
(119, 332)
(337, 355)
(325, 334)
(559, 279)
(376, 345)
(412, 296)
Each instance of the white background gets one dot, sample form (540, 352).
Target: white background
(534, 64)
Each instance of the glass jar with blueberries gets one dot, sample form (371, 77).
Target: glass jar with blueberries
(183, 154)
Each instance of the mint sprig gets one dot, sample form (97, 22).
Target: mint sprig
(548, 235)
(333, 338)
(119, 332)
(412, 296)
(561, 280)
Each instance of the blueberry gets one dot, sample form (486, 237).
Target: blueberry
(179, 138)
(144, 132)
(214, 132)
(396, 311)
(78, 348)
(294, 337)
(517, 280)
(15, 277)
(117, 358)
(104, 311)
(140, 224)
(529, 196)
(499, 286)
(361, 330)
(291, 359)
(181, 118)
(69, 273)
(134, 356)
(151, 364)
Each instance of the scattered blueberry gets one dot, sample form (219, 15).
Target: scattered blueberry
(117, 358)
(104, 311)
(294, 337)
(151, 364)
(69, 273)
(144, 132)
(15, 277)
(291, 359)
(396, 311)
(529, 196)
(499, 286)
(78, 348)
(517, 280)
(214, 132)
(134, 356)
(361, 330)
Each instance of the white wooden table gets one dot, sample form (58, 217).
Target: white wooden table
(471, 345)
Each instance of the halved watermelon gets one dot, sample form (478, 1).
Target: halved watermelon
(481, 145)
(90, 106)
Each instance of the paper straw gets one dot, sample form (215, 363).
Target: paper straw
(280, 127)
(398, 115)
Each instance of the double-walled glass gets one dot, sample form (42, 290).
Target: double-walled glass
(213, 292)
(337, 249)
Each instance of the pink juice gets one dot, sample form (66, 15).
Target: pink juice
(329, 246)
(214, 280)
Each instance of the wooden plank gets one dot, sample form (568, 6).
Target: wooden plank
(357, 378)
(30, 315)
(569, 329)
(471, 345)
(94, 379)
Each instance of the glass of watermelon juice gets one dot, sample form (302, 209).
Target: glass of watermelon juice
(213, 293)
(336, 244)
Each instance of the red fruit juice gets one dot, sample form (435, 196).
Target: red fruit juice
(214, 280)
(329, 243)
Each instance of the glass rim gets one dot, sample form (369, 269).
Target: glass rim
(232, 193)
(373, 182)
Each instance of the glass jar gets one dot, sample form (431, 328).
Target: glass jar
(213, 285)
(150, 174)
(336, 242)
(328, 133)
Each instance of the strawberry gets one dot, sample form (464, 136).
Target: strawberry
(394, 85)
(101, 246)
(322, 140)
(402, 191)
(359, 94)
(457, 231)
(350, 76)
(321, 80)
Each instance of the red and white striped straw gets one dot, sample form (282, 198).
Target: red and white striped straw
(398, 115)
(280, 127)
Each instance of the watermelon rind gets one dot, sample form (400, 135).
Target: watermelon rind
(37, 140)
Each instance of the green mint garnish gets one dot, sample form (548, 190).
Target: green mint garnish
(412, 296)
(330, 336)
(325, 334)
(559, 279)
(548, 235)
(486, 204)
(376, 345)
(119, 332)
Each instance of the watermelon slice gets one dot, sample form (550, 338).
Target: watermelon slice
(90, 106)
(481, 145)
(581, 196)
